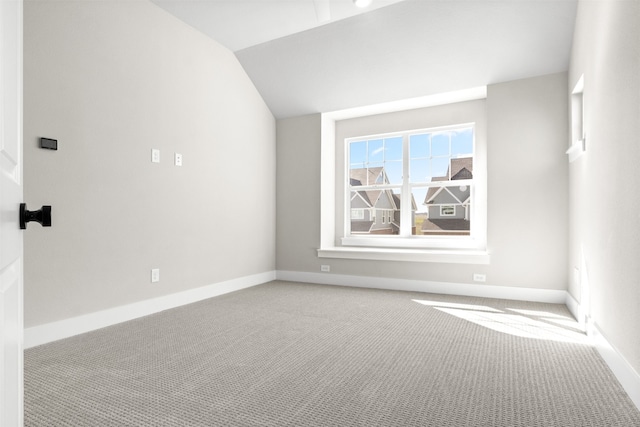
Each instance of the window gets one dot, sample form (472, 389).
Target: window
(448, 210)
(578, 146)
(421, 181)
(357, 214)
(339, 237)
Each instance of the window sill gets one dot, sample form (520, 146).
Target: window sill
(411, 255)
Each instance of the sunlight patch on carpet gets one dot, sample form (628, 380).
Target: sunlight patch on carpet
(531, 324)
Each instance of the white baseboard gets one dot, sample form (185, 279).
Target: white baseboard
(624, 372)
(502, 292)
(574, 308)
(54, 331)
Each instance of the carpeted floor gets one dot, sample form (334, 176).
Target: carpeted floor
(287, 354)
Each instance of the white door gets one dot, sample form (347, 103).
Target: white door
(11, 409)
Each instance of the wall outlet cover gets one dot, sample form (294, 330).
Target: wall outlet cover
(477, 277)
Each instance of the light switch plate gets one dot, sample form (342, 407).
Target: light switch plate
(155, 155)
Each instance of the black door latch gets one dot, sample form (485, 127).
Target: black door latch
(43, 216)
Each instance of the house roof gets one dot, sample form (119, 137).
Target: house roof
(397, 201)
(366, 176)
(445, 224)
(461, 168)
(361, 226)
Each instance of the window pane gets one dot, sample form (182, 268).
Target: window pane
(462, 142)
(445, 211)
(440, 145)
(366, 176)
(357, 154)
(375, 212)
(376, 161)
(393, 171)
(419, 170)
(419, 146)
(440, 169)
(375, 151)
(393, 149)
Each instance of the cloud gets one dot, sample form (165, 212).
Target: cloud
(377, 151)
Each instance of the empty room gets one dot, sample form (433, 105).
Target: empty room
(320, 213)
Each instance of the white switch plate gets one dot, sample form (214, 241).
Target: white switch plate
(178, 159)
(155, 275)
(155, 155)
(325, 268)
(477, 277)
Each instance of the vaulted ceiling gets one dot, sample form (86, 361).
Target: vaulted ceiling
(309, 56)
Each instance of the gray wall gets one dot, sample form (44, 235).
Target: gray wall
(605, 224)
(527, 174)
(111, 81)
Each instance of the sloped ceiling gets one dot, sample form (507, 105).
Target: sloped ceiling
(408, 49)
(238, 24)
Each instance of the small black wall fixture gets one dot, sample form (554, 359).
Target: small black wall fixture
(43, 216)
(49, 143)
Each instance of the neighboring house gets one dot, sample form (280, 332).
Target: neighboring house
(449, 207)
(374, 211)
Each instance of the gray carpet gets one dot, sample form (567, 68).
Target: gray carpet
(286, 354)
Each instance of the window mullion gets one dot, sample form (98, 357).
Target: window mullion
(405, 207)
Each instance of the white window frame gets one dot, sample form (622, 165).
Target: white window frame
(473, 252)
(578, 138)
(405, 239)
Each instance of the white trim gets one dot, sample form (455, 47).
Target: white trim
(410, 104)
(54, 331)
(576, 150)
(450, 245)
(485, 291)
(624, 372)
(574, 307)
(579, 87)
(457, 256)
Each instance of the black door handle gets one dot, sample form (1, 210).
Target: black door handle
(43, 216)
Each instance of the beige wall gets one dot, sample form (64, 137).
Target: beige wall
(111, 81)
(527, 192)
(605, 223)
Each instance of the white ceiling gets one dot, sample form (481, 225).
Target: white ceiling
(238, 24)
(407, 49)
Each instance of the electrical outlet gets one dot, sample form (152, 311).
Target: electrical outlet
(155, 155)
(155, 275)
(178, 159)
(477, 277)
(325, 268)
